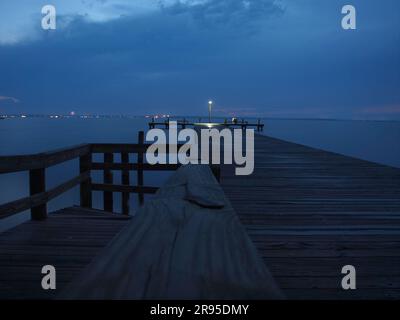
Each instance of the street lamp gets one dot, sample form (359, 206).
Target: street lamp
(209, 110)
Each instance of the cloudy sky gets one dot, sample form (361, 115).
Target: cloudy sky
(287, 58)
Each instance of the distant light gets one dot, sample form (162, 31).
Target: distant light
(210, 102)
(72, 113)
(23, 116)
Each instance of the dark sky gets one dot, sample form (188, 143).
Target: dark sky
(288, 58)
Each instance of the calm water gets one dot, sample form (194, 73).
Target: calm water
(376, 141)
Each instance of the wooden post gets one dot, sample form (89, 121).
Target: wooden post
(108, 179)
(125, 181)
(85, 188)
(37, 184)
(140, 168)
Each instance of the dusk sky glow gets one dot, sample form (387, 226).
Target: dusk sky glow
(266, 58)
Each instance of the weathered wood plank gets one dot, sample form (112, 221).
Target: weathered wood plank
(309, 212)
(41, 160)
(69, 247)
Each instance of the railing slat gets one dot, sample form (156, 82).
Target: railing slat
(85, 188)
(36, 164)
(140, 177)
(122, 188)
(134, 166)
(37, 184)
(125, 181)
(10, 164)
(38, 199)
(108, 179)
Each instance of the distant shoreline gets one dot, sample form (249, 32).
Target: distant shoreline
(91, 116)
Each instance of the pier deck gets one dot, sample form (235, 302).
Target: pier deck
(68, 239)
(310, 212)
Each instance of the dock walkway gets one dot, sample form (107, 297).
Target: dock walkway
(68, 239)
(311, 212)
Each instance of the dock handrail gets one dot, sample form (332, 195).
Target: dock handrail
(37, 164)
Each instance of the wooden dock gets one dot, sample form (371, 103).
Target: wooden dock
(308, 212)
(183, 124)
(311, 212)
(68, 239)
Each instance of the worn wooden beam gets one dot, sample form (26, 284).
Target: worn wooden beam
(10, 164)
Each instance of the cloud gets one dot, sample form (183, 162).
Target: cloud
(223, 12)
(15, 100)
(21, 23)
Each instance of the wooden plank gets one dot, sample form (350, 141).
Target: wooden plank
(309, 212)
(125, 181)
(27, 247)
(179, 250)
(41, 160)
(108, 179)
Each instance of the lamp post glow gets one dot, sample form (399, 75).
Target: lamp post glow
(209, 110)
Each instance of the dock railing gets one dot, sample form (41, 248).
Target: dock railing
(183, 124)
(38, 163)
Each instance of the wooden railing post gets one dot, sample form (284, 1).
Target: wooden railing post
(140, 168)
(85, 186)
(108, 179)
(37, 184)
(125, 181)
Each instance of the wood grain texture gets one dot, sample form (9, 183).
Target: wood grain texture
(310, 212)
(176, 249)
(67, 239)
